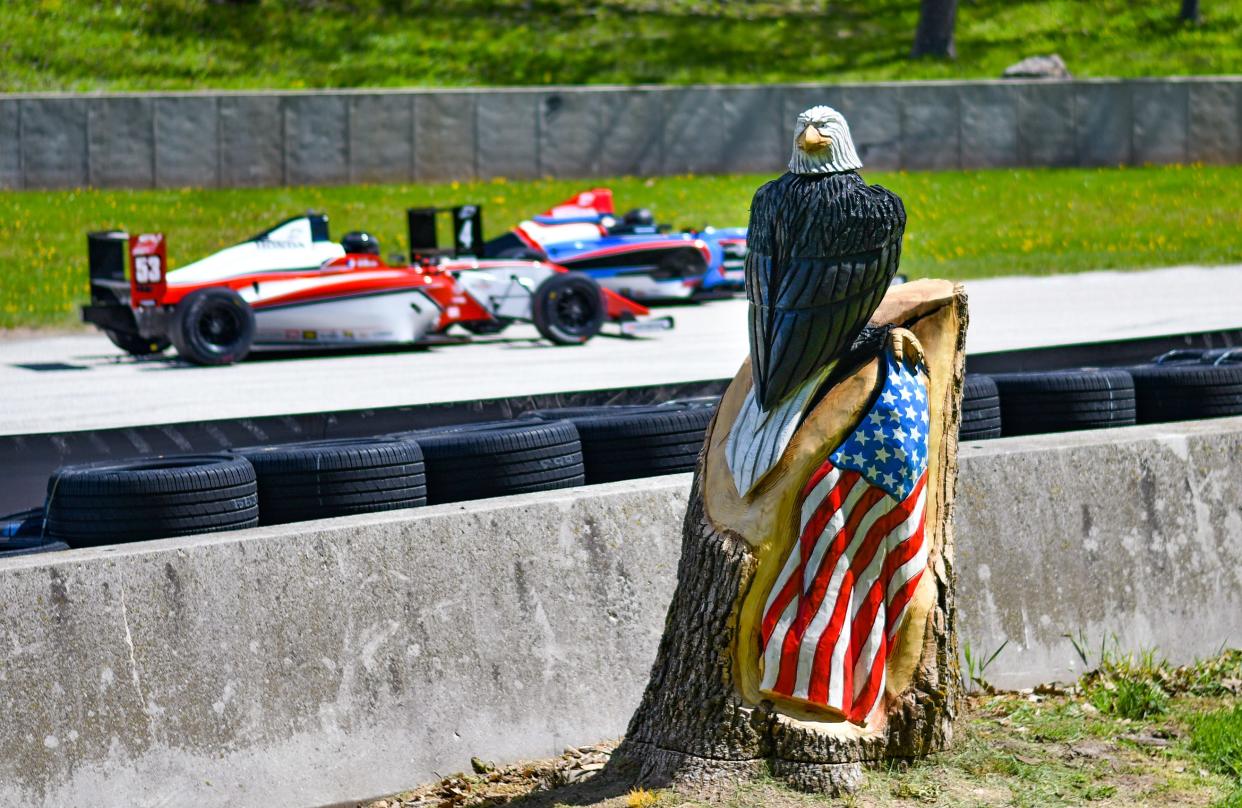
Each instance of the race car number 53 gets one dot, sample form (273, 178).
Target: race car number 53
(147, 268)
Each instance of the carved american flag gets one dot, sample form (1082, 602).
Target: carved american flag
(834, 611)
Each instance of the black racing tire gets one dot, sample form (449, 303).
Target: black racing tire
(981, 411)
(326, 478)
(213, 327)
(624, 442)
(1065, 400)
(568, 308)
(1183, 392)
(136, 344)
(497, 458)
(112, 502)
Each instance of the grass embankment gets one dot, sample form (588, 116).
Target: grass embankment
(197, 44)
(1053, 748)
(962, 225)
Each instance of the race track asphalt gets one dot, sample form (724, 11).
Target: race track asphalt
(78, 382)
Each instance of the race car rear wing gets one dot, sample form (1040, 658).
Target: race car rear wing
(106, 254)
(466, 223)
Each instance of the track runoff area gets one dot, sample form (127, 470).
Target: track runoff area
(67, 383)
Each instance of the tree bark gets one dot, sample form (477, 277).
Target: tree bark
(934, 37)
(1190, 11)
(698, 725)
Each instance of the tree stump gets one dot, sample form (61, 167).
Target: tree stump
(703, 719)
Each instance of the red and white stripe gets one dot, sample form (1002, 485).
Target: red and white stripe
(836, 607)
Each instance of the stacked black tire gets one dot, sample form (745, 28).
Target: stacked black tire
(1189, 385)
(1065, 400)
(627, 442)
(496, 458)
(320, 479)
(981, 409)
(150, 498)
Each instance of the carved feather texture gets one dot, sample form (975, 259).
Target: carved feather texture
(823, 250)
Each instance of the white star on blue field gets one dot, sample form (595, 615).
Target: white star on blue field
(889, 446)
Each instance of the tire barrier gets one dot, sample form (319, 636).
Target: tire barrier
(150, 498)
(495, 458)
(1186, 385)
(624, 442)
(319, 479)
(981, 409)
(544, 449)
(1065, 400)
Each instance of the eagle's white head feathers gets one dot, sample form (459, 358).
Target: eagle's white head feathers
(822, 143)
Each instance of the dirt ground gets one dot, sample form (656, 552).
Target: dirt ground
(1021, 749)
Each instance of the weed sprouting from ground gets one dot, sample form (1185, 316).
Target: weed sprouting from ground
(1130, 696)
(977, 666)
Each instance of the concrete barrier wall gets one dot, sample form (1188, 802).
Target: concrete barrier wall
(316, 663)
(225, 140)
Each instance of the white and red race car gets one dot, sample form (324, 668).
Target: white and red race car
(291, 286)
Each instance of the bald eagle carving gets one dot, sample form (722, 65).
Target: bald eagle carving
(823, 248)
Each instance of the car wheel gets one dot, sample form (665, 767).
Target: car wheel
(213, 327)
(625, 442)
(1064, 400)
(136, 344)
(567, 308)
(495, 458)
(319, 479)
(981, 409)
(150, 498)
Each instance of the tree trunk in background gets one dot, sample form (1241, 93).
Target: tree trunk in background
(1190, 11)
(934, 36)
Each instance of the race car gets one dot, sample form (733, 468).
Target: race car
(291, 286)
(631, 254)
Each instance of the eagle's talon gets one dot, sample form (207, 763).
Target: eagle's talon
(906, 348)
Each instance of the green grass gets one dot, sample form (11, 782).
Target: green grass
(962, 225)
(1217, 738)
(196, 44)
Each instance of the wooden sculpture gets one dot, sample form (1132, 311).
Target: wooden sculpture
(812, 630)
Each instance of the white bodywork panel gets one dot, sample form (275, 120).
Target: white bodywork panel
(287, 247)
(404, 315)
(644, 287)
(544, 234)
(505, 291)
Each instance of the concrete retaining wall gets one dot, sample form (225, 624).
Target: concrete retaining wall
(229, 140)
(335, 660)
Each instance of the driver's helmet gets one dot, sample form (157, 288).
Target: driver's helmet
(639, 217)
(357, 241)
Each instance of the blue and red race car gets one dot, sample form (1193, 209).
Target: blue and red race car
(629, 254)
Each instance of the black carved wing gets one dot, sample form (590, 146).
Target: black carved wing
(822, 253)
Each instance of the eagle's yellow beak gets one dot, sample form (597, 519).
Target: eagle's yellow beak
(811, 141)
